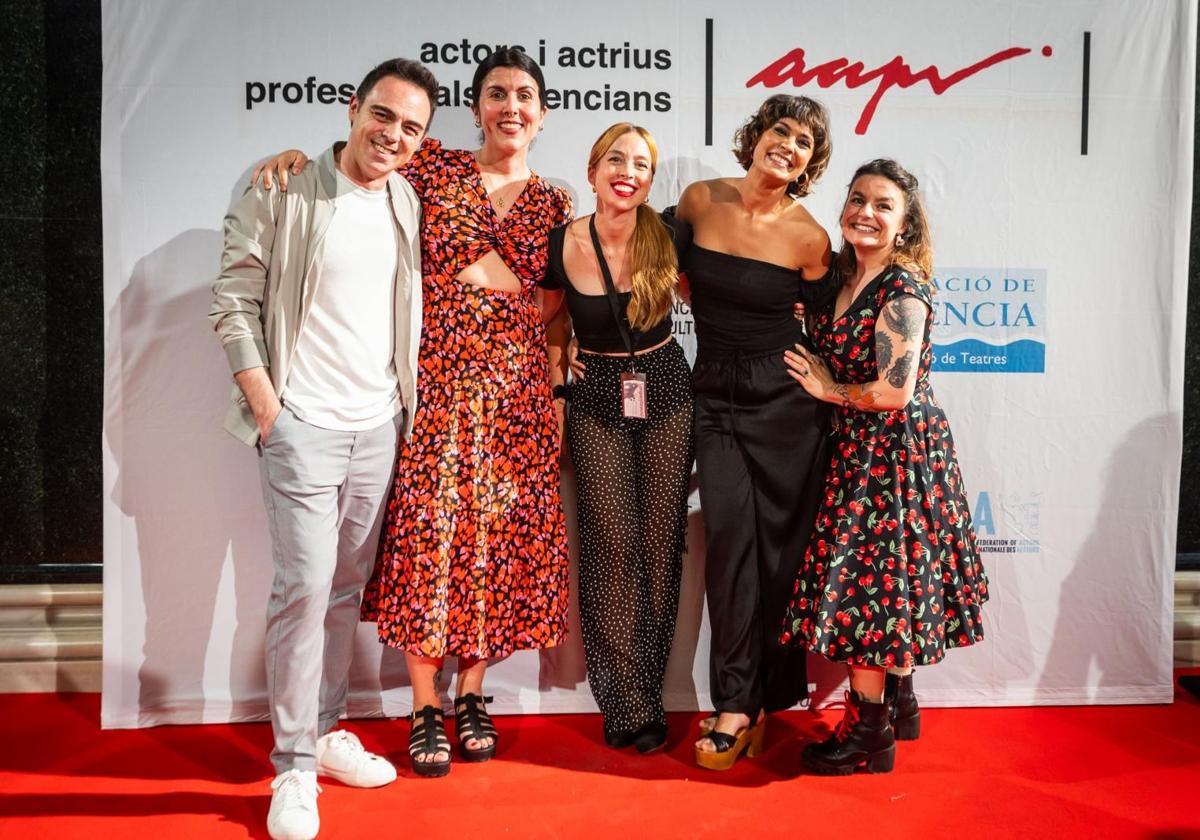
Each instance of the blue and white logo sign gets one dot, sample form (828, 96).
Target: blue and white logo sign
(1008, 523)
(990, 320)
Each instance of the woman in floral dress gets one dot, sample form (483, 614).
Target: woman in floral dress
(473, 552)
(892, 576)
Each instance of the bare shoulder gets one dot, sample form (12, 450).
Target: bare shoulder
(578, 226)
(703, 196)
(695, 197)
(805, 230)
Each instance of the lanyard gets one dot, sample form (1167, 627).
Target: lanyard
(611, 289)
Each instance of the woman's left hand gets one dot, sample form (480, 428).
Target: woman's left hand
(812, 373)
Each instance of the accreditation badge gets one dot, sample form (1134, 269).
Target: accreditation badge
(633, 395)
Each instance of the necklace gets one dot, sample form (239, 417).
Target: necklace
(499, 194)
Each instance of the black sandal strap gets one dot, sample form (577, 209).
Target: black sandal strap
(473, 722)
(723, 741)
(428, 733)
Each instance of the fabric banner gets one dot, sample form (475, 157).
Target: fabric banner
(1054, 146)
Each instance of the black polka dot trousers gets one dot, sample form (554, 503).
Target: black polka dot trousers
(632, 477)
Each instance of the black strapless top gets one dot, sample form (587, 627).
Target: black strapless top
(591, 315)
(743, 305)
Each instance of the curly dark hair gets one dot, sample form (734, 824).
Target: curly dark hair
(809, 113)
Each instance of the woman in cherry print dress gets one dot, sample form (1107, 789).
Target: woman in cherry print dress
(892, 576)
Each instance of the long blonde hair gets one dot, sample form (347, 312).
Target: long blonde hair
(915, 253)
(654, 264)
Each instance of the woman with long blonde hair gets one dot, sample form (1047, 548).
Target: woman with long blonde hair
(629, 426)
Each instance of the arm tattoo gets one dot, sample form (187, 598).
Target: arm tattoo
(905, 317)
(898, 375)
(883, 350)
(855, 396)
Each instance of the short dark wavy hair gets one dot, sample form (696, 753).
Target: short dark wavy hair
(809, 113)
(407, 70)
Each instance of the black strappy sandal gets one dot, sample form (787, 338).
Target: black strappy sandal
(727, 748)
(428, 738)
(472, 722)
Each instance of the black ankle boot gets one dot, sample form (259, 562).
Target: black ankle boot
(864, 737)
(905, 713)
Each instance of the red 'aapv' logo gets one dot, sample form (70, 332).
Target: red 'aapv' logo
(896, 73)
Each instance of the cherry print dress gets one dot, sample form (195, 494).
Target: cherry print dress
(473, 552)
(892, 575)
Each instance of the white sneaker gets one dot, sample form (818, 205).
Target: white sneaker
(293, 814)
(341, 756)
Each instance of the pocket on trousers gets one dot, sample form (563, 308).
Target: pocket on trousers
(273, 434)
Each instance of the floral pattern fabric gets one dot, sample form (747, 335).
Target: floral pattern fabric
(892, 575)
(473, 552)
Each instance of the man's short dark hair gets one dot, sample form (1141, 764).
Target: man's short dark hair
(413, 72)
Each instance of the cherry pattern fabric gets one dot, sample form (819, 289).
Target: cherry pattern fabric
(892, 575)
(473, 552)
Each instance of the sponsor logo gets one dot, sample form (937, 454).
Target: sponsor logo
(990, 320)
(792, 67)
(1008, 523)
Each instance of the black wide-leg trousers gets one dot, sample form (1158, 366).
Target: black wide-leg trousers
(761, 455)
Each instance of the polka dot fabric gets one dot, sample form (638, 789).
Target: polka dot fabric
(473, 553)
(892, 575)
(633, 486)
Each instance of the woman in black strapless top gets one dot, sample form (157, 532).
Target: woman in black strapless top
(630, 438)
(760, 440)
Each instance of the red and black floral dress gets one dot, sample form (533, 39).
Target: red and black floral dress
(473, 552)
(892, 575)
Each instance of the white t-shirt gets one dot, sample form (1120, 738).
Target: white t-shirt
(343, 374)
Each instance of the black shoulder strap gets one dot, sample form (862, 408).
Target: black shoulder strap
(610, 288)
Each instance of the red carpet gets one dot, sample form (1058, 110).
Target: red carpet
(1060, 772)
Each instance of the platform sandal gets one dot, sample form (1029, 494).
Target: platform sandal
(428, 738)
(748, 740)
(472, 722)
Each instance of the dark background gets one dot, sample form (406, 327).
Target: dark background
(52, 309)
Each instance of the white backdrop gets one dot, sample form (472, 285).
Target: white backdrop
(1060, 333)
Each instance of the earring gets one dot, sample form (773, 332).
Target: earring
(478, 124)
(899, 240)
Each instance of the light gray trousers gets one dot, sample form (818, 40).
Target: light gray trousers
(325, 493)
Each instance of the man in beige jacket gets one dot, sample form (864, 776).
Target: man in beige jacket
(318, 308)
